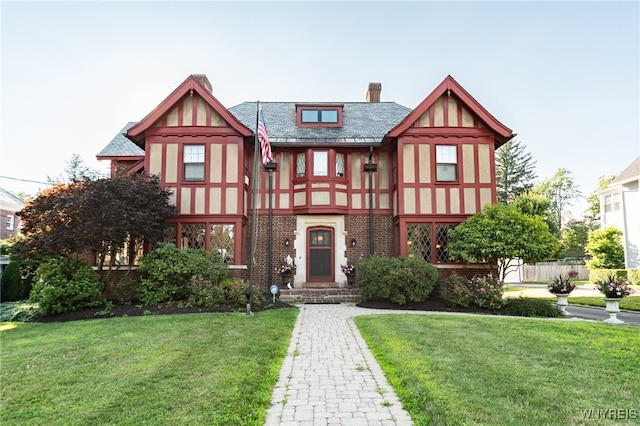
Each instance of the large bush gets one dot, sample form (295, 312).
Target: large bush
(485, 292)
(397, 279)
(599, 275)
(63, 285)
(228, 293)
(167, 272)
(605, 248)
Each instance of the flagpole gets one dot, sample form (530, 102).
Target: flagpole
(255, 183)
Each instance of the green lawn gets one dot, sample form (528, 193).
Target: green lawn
(153, 370)
(453, 370)
(631, 303)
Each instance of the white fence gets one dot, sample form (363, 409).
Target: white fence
(544, 272)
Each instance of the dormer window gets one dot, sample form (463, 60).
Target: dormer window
(319, 116)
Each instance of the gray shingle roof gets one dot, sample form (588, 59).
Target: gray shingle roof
(121, 146)
(632, 171)
(363, 122)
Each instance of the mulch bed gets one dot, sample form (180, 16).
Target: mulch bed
(134, 309)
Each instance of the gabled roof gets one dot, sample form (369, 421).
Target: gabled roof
(503, 133)
(136, 133)
(632, 172)
(8, 201)
(363, 122)
(121, 146)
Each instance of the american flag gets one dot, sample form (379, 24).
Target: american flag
(264, 139)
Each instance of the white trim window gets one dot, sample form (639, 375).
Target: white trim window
(446, 163)
(10, 222)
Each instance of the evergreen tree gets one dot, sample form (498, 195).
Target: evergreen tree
(515, 171)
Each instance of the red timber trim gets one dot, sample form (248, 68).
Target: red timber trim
(239, 223)
(502, 132)
(191, 84)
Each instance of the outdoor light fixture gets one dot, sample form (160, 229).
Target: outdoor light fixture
(286, 242)
(353, 242)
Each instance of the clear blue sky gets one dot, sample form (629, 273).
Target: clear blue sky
(563, 75)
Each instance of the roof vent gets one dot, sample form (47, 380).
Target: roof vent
(373, 92)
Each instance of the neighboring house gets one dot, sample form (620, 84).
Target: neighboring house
(9, 222)
(620, 208)
(352, 178)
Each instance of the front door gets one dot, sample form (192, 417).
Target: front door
(320, 258)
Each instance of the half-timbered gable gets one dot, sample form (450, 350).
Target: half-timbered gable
(350, 179)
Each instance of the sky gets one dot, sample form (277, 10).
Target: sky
(564, 76)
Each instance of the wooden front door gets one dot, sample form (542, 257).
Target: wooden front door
(320, 255)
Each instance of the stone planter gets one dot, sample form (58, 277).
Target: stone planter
(287, 280)
(562, 304)
(351, 280)
(612, 309)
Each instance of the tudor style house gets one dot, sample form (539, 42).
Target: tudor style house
(351, 178)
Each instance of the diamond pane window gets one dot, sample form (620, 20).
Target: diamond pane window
(193, 236)
(339, 164)
(321, 163)
(419, 241)
(300, 165)
(221, 239)
(442, 242)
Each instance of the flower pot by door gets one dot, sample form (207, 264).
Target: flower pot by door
(612, 309)
(351, 280)
(562, 304)
(287, 281)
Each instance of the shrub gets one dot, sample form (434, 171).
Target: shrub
(124, 290)
(167, 272)
(485, 292)
(529, 307)
(599, 275)
(605, 248)
(18, 312)
(11, 287)
(398, 280)
(634, 276)
(455, 291)
(64, 285)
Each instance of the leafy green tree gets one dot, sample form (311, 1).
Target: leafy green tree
(592, 212)
(605, 248)
(535, 204)
(574, 239)
(515, 171)
(498, 235)
(99, 217)
(562, 192)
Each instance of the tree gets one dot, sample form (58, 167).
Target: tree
(76, 171)
(574, 239)
(592, 212)
(534, 204)
(515, 171)
(499, 234)
(605, 248)
(561, 190)
(100, 216)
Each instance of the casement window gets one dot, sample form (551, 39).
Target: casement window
(321, 163)
(429, 241)
(10, 222)
(301, 164)
(193, 236)
(193, 161)
(339, 164)
(446, 163)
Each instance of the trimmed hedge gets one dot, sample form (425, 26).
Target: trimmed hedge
(397, 279)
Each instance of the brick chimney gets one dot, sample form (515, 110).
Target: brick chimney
(202, 79)
(373, 92)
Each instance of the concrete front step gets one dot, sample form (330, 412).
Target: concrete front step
(320, 295)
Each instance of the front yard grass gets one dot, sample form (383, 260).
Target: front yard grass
(171, 369)
(631, 303)
(453, 370)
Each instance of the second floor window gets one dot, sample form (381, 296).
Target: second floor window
(320, 163)
(10, 222)
(446, 163)
(193, 160)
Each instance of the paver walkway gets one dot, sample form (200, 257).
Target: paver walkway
(330, 377)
